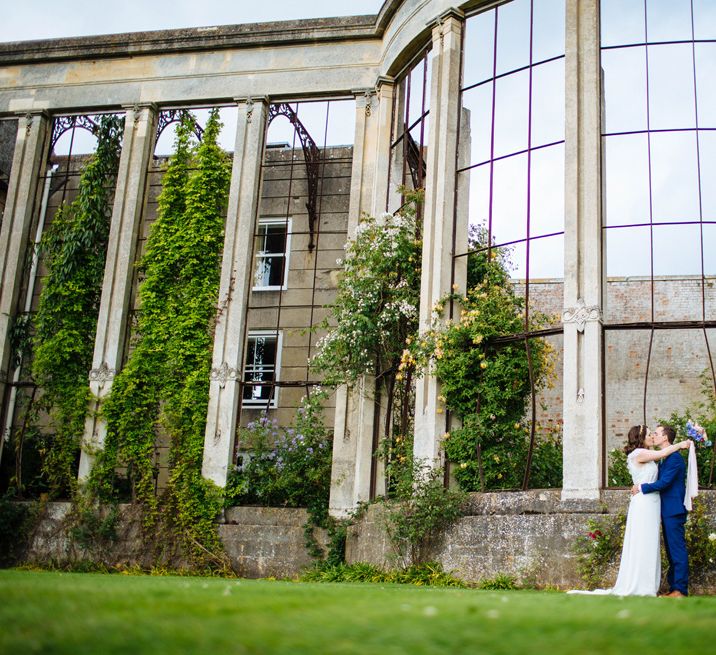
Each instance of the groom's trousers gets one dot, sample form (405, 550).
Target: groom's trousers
(675, 543)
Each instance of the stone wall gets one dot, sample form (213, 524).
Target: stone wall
(529, 535)
(526, 534)
(260, 541)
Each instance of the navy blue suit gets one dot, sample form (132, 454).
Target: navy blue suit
(671, 484)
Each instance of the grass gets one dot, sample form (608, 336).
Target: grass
(77, 613)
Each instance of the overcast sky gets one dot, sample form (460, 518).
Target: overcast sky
(46, 19)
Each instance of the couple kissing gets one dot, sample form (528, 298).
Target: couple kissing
(661, 497)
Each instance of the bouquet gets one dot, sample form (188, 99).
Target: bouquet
(697, 434)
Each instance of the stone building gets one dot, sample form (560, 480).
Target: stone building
(579, 133)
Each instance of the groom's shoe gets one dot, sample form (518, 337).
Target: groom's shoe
(675, 594)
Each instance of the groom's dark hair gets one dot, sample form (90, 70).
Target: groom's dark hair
(669, 432)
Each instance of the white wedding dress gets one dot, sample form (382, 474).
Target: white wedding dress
(640, 567)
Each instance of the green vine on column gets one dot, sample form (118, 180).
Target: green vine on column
(164, 387)
(73, 250)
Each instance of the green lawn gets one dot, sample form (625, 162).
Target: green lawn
(75, 613)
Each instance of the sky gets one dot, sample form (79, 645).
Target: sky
(47, 19)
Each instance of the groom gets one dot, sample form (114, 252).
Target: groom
(671, 483)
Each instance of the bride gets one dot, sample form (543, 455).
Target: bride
(640, 567)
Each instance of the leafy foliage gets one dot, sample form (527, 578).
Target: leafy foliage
(618, 475)
(287, 467)
(17, 521)
(484, 381)
(290, 467)
(704, 413)
(599, 548)
(422, 509)
(164, 386)
(375, 314)
(73, 250)
(422, 575)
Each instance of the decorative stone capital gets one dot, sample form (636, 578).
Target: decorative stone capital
(364, 99)
(102, 374)
(223, 374)
(452, 12)
(384, 80)
(581, 314)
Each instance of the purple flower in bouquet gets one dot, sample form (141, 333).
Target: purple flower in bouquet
(697, 434)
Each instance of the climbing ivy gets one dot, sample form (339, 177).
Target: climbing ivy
(73, 251)
(164, 387)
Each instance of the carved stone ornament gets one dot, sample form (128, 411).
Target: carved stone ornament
(581, 314)
(102, 374)
(249, 109)
(369, 95)
(224, 373)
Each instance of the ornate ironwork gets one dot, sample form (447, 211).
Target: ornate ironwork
(312, 156)
(63, 124)
(169, 116)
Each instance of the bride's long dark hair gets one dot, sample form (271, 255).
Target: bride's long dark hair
(635, 438)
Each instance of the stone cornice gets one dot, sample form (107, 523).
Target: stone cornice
(195, 39)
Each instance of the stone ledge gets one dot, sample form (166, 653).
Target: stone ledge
(190, 39)
(548, 501)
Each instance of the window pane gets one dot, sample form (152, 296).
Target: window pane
(479, 48)
(547, 258)
(478, 102)
(418, 92)
(275, 239)
(626, 179)
(671, 87)
(625, 357)
(269, 271)
(624, 89)
(678, 359)
(677, 256)
(622, 22)
(509, 205)
(705, 87)
(674, 177)
(477, 181)
(704, 19)
(628, 251)
(668, 20)
(548, 103)
(709, 236)
(707, 157)
(511, 113)
(547, 191)
(547, 29)
(513, 35)
(261, 360)
(516, 260)
(677, 249)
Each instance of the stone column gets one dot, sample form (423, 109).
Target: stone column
(582, 455)
(438, 219)
(23, 193)
(355, 417)
(234, 290)
(113, 320)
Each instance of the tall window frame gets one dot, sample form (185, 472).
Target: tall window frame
(262, 255)
(658, 132)
(270, 374)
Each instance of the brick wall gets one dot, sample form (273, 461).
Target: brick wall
(679, 358)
